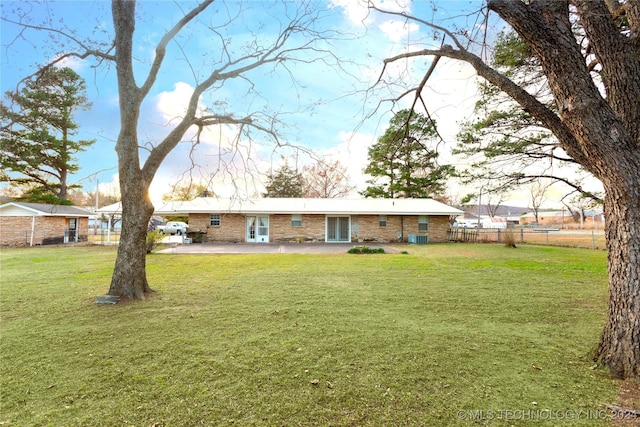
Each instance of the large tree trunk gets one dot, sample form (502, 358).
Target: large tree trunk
(129, 278)
(619, 348)
(604, 137)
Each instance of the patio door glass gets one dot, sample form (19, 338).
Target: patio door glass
(338, 229)
(257, 229)
(251, 229)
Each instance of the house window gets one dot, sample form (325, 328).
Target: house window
(382, 220)
(214, 220)
(296, 220)
(423, 223)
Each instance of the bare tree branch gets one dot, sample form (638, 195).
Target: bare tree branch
(161, 49)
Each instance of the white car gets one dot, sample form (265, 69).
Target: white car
(174, 227)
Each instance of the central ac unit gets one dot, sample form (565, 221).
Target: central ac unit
(418, 239)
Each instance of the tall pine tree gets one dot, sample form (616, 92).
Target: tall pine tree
(402, 164)
(285, 182)
(36, 133)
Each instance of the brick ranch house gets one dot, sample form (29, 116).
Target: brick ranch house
(31, 224)
(312, 220)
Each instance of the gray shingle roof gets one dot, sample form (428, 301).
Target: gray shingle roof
(54, 210)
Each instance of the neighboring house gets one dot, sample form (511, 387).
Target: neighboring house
(311, 220)
(30, 224)
(483, 222)
(498, 217)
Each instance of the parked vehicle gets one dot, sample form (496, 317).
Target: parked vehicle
(173, 227)
(466, 223)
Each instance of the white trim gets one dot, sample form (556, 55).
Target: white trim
(33, 230)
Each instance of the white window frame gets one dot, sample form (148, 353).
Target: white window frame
(423, 223)
(296, 220)
(382, 220)
(212, 220)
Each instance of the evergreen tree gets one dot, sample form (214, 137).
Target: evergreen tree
(36, 132)
(285, 182)
(402, 164)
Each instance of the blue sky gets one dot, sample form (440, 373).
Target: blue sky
(322, 106)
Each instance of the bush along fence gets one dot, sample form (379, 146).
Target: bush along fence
(589, 239)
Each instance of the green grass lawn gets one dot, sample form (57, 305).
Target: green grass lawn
(429, 338)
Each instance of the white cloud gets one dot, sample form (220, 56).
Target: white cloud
(76, 64)
(174, 104)
(397, 30)
(356, 10)
(111, 188)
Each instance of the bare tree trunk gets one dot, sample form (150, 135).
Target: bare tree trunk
(619, 347)
(129, 278)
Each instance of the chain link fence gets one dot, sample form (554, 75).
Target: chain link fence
(590, 239)
(28, 237)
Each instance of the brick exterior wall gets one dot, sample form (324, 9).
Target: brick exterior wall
(232, 227)
(15, 231)
(312, 229)
(365, 228)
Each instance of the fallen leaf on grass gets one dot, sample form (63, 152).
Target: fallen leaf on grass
(315, 382)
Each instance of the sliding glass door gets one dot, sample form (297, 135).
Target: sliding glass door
(338, 229)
